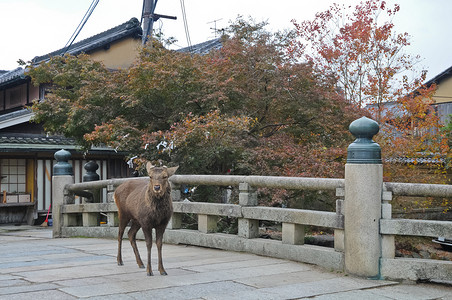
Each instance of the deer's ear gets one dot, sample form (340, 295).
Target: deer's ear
(149, 167)
(171, 171)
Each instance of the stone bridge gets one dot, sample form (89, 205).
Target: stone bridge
(364, 230)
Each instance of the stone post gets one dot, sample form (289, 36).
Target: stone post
(293, 234)
(62, 175)
(339, 233)
(112, 217)
(176, 219)
(387, 241)
(91, 175)
(248, 228)
(207, 223)
(362, 205)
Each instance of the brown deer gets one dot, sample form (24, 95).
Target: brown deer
(145, 204)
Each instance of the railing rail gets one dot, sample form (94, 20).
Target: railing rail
(304, 183)
(397, 188)
(419, 189)
(91, 185)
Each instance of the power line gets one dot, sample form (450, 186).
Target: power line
(184, 16)
(80, 26)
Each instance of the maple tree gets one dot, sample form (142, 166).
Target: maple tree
(360, 48)
(249, 107)
(264, 104)
(77, 95)
(246, 108)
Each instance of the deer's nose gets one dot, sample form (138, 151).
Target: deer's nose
(157, 187)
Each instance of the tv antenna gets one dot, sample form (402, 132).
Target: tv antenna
(215, 26)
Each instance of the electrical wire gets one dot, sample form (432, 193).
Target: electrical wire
(187, 32)
(184, 16)
(80, 26)
(86, 13)
(142, 13)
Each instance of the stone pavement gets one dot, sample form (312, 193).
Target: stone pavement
(35, 266)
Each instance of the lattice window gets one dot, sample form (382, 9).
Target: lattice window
(13, 175)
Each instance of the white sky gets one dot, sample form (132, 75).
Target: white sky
(30, 28)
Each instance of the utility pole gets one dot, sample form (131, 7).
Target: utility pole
(148, 17)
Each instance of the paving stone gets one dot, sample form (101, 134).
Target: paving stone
(352, 295)
(327, 286)
(414, 292)
(90, 270)
(308, 289)
(139, 274)
(10, 290)
(13, 282)
(8, 277)
(213, 266)
(49, 267)
(285, 279)
(113, 297)
(46, 294)
(182, 280)
(33, 266)
(192, 291)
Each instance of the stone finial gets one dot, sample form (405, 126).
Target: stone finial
(364, 150)
(62, 167)
(91, 168)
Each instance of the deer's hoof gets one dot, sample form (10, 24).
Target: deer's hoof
(141, 266)
(150, 274)
(120, 263)
(163, 273)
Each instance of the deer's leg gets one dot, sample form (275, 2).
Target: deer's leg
(122, 227)
(159, 241)
(135, 226)
(148, 237)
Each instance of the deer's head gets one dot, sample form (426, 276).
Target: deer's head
(159, 178)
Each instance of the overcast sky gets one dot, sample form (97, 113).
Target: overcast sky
(29, 28)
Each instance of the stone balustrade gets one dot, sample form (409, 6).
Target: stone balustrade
(364, 230)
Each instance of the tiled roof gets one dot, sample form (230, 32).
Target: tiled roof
(130, 28)
(9, 76)
(440, 77)
(33, 139)
(24, 142)
(418, 160)
(16, 114)
(203, 48)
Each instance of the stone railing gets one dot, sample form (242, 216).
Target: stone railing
(364, 230)
(85, 219)
(413, 269)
